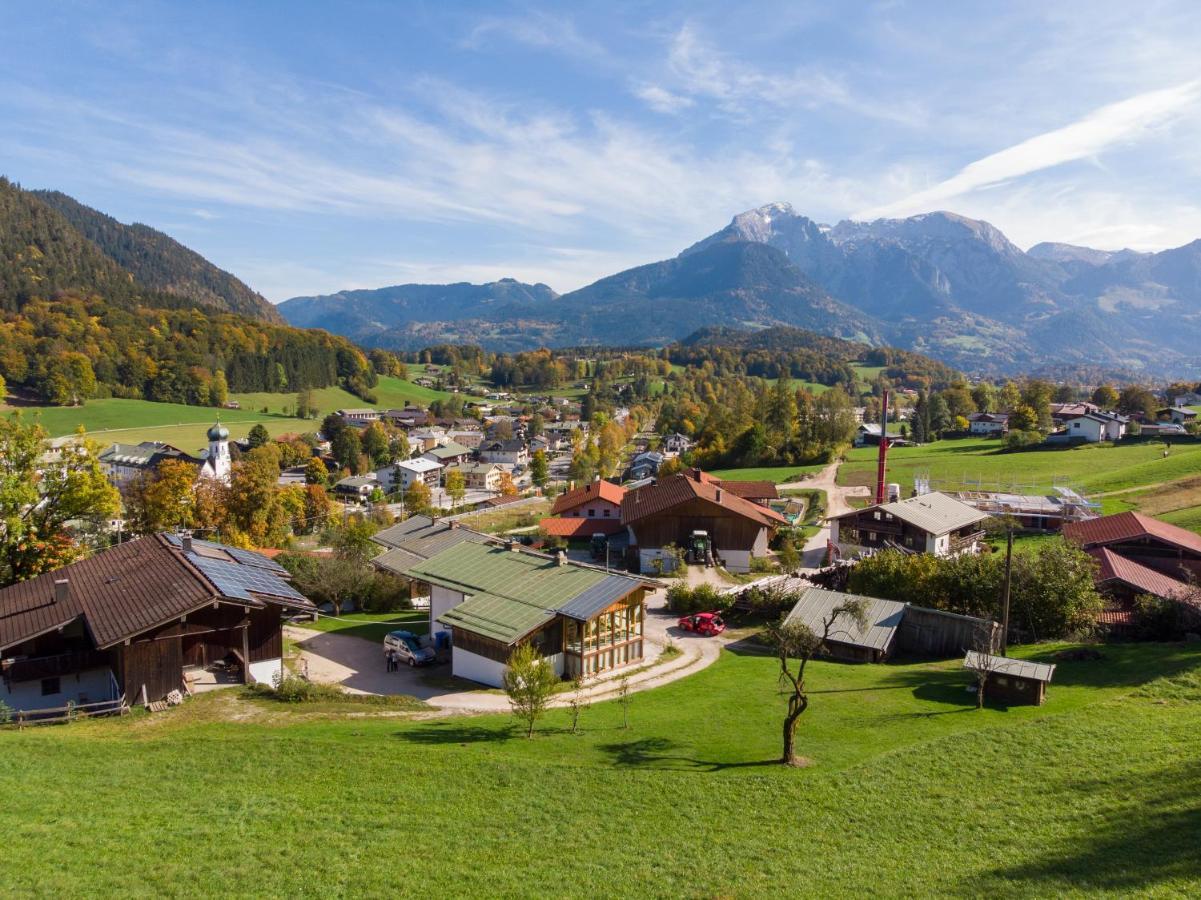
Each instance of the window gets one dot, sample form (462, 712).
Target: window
(876, 515)
(51, 686)
(591, 512)
(608, 512)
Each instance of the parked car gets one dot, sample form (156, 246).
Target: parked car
(706, 623)
(408, 647)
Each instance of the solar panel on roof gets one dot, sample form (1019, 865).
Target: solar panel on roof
(240, 582)
(245, 557)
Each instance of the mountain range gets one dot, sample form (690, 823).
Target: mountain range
(942, 284)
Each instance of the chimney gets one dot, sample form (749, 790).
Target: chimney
(62, 590)
(560, 558)
(187, 543)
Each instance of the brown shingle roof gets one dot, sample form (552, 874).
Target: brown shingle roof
(752, 490)
(1127, 526)
(1137, 576)
(604, 490)
(120, 592)
(580, 527)
(677, 489)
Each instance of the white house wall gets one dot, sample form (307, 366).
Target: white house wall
(266, 671)
(473, 667)
(442, 600)
(92, 685)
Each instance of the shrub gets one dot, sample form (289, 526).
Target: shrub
(682, 599)
(1020, 440)
(768, 601)
(294, 689)
(5, 713)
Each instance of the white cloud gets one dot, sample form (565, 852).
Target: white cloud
(662, 100)
(1118, 123)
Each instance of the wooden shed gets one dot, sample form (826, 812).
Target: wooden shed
(847, 641)
(1015, 681)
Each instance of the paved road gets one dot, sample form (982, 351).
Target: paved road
(358, 665)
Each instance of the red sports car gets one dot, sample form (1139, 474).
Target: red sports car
(708, 624)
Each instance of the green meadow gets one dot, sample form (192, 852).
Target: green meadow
(910, 792)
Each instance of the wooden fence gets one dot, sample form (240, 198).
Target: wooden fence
(58, 714)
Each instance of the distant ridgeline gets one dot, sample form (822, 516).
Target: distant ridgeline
(784, 352)
(90, 307)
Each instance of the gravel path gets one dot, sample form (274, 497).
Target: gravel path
(837, 503)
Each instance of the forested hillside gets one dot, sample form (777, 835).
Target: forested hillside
(159, 262)
(74, 324)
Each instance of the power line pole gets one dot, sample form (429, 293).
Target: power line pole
(1005, 587)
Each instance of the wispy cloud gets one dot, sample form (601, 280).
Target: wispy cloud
(662, 100)
(1117, 123)
(536, 29)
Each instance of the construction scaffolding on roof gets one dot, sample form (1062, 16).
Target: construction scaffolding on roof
(1035, 506)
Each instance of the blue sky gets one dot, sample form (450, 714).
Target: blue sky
(314, 147)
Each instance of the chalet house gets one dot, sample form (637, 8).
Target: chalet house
(934, 523)
(426, 439)
(121, 463)
(868, 435)
(540, 442)
(643, 465)
(1014, 681)
(466, 438)
(408, 418)
(677, 443)
(358, 487)
(1190, 399)
(1061, 412)
(988, 423)
(140, 619)
(594, 508)
(359, 417)
(1094, 427)
(409, 471)
(449, 454)
(1177, 414)
(581, 619)
(511, 452)
(1167, 549)
(482, 476)
(670, 510)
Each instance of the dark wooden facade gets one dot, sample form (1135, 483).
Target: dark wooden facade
(1014, 690)
(727, 529)
(862, 528)
(936, 634)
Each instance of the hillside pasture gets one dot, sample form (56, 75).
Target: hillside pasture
(910, 791)
(777, 474)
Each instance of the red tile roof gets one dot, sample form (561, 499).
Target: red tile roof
(678, 489)
(1136, 575)
(593, 490)
(582, 527)
(1127, 526)
(752, 490)
(1115, 616)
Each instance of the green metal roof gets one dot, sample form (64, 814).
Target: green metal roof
(509, 593)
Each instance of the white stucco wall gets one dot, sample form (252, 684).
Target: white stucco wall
(474, 667)
(442, 600)
(557, 662)
(736, 560)
(93, 685)
(266, 671)
(647, 557)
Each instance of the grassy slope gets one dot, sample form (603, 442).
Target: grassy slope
(132, 421)
(778, 474)
(912, 792)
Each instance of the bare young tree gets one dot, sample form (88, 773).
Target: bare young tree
(623, 697)
(983, 660)
(796, 641)
(578, 702)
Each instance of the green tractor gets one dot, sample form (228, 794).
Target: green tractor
(700, 548)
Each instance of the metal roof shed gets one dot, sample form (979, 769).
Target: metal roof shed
(872, 643)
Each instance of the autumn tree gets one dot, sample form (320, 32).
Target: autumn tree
(219, 389)
(417, 498)
(39, 495)
(161, 500)
(347, 449)
(539, 469)
(258, 435)
(456, 487)
(794, 640)
(507, 487)
(375, 445)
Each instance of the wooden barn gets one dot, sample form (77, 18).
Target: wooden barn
(848, 641)
(669, 511)
(1169, 549)
(139, 620)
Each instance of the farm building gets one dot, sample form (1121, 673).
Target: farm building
(359, 416)
(1012, 680)
(1166, 548)
(1033, 512)
(415, 540)
(139, 620)
(934, 523)
(593, 508)
(848, 641)
(582, 619)
(1178, 415)
(668, 511)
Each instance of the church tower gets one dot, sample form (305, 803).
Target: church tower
(217, 464)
